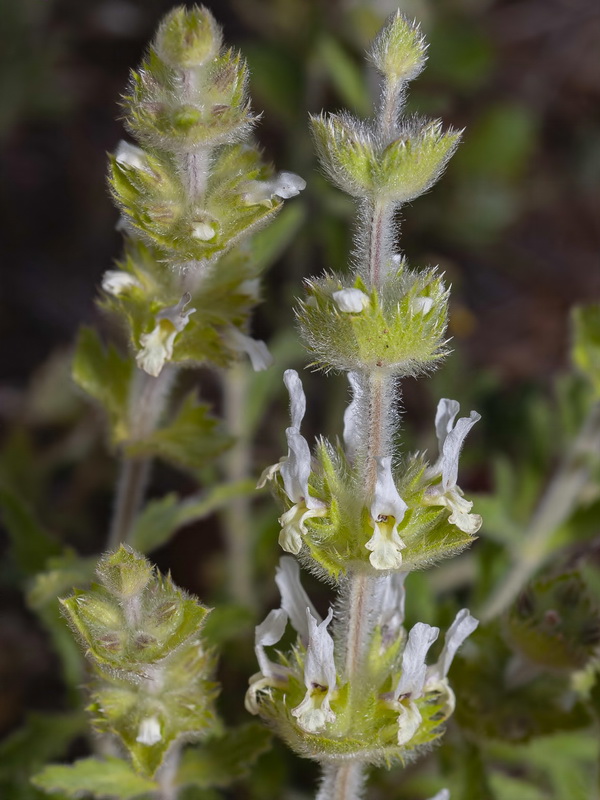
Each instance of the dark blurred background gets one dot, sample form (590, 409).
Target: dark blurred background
(514, 223)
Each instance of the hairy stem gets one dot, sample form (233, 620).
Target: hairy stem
(346, 781)
(342, 782)
(236, 515)
(167, 775)
(392, 100)
(148, 399)
(195, 171)
(555, 507)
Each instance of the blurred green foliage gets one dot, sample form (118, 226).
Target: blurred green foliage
(522, 182)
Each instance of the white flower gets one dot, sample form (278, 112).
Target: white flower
(412, 680)
(443, 795)
(351, 300)
(131, 156)
(288, 184)
(157, 346)
(203, 231)
(421, 305)
(390, 602)
(294, 600)
(319, 677)
(284, 185)
(251, 288)
(387, 511)
(462, 627)
(352, 422)
(451, 437)
(417, 678)
(117, 281)
(295, 471)
(414, 668)
(268, 633)
(149, 732)
(256, 350)
(409, 721)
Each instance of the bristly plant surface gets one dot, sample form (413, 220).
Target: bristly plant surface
(190, 195)
(356, 689)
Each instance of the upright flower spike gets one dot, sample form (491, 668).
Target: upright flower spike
(376, 700)
(152, 673)
(451, 437)
(194, 190)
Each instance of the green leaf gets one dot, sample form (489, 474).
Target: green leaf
(346, 75)
(161, 518)
(269, 243)
(586, 342)
(110, 777)
(222, 761)
(61, 575)
(491, 708)
(41, 738)
(226, 622)
(30, 544)
(555, 624)
(190, 440)
(104, 375)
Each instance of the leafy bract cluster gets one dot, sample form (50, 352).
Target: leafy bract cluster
(395, 329)
(361, 162)
(356, 514)
(415, 516)
(195, 189)
(397, 707)
(398, 322)
(152, 673)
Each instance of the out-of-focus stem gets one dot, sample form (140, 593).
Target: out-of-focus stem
(236, 515)
(342, 782)
(167, 775)
(148, 398)
(553, 510)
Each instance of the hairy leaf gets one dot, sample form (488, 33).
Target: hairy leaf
(108, 777)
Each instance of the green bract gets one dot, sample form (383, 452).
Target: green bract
(399, 330)
(336, 540)
(362, 164)
(399, 52)
(151, 670)
(365, 728)
(224, 300)
(188, 38)
(188, 198)
(586, 344)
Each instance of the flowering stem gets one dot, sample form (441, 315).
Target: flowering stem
(236, 515)
(346, 782)
(195, 173)
(167, 775)
(554, 509)
(342, 782)
(149, 396)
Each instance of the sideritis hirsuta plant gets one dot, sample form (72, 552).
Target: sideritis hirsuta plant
(356, 690)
